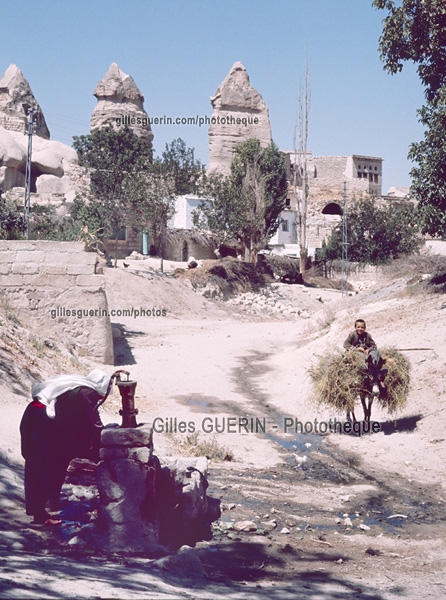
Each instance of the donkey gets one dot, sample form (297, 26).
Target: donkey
(373, 384)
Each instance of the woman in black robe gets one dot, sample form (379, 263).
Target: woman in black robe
(48, 445)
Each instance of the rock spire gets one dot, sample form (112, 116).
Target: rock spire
(121, 103)
(15, 96)
(239, 114)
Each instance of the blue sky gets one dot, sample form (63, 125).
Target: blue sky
(179, 51)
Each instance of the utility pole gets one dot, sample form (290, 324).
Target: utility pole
(27, 204)
(344, 287)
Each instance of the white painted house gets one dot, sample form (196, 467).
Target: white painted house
(184, 207)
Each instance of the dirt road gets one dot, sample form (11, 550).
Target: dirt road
(330, 515)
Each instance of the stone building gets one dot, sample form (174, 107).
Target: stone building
(327, 174)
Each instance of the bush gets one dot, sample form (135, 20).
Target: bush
(12, 221)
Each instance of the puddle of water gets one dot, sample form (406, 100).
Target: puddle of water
(295, 442)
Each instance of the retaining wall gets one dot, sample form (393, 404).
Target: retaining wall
(55, 285)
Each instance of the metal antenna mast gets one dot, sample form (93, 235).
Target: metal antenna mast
(344, 287)
(28, 169)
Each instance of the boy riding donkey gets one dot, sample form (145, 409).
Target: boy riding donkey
(362, 341)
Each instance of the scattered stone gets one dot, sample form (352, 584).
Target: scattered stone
(186, 561)
(81, 492)
(348, 522)
(77, 541)
(285, 530)
(269, 525)
(373, 552)
(364, 527)
(245, 526)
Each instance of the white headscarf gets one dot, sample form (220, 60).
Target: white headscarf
(48, 391)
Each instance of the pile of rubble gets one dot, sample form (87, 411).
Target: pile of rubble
(272, 300)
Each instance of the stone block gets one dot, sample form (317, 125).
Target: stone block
(11, 280)
(30, 256)
(142, 454)
(133, 437)
(6, 255)
(81, 269)
(90, 280)
(55, 281)
(54, 247)
(132, 538)
(15, 245)
(53, 270)
(25, 268)
(5, 268)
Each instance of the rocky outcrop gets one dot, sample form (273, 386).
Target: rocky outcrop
(15, 93)
(51, 164)
(51, 161)
(120, 103)
(239, 114)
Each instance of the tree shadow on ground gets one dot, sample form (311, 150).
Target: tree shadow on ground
(123, 353)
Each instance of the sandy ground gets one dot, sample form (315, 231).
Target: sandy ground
(216, 368)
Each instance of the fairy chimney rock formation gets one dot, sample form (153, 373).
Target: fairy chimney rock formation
(15, 99)
(120, 103)
(239, 114)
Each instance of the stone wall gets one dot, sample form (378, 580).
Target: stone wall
(54, 285)
(357, 272)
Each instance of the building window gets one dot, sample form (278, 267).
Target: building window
(288, 202)
(359, 175)
(376, 178)
(371, 177)
(285, 225)
(122, 234)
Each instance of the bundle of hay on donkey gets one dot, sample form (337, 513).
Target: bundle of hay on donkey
(340, 378)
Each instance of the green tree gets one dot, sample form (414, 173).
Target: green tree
(429, 176)
(415, 30)
(88, 214)
(151, 201)
(246, 206)
(12, 222)
(183, 167)
(376, 235)
(113, 158)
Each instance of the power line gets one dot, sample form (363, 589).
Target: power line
(27, 201)
(344, 286)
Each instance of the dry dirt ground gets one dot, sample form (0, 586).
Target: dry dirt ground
(326, 515)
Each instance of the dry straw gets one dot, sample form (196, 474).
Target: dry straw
(338, 379)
